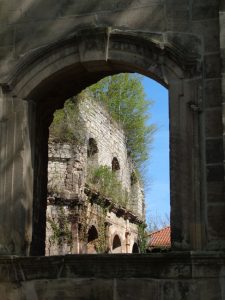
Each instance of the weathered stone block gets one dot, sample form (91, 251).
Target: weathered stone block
(222, 29)
(213, 93)
(190, 44)
(5, 7)
(6, 35)
(215, 173)
(214, 151)
(209, 29)
(178, 11)
(141, 288)
(70, 289)
(212, 66)
(222, 51)
(206, 10)
(11, 291)
(216, 221)
(215, 191)
(223, 87)
(183, 24)
(214, 126)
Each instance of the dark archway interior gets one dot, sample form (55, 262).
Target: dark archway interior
(135, 248)
(92, 238)
(92, 147)
(115, 164)
(92, 234)
(116, 242)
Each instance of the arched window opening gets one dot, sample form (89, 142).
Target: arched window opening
(92, 148)
(135, 248)
(92, 239)
(78, 168)
(115, 164)
(116, 247)
(92, 154)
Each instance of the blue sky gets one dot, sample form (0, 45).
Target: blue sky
(157, 193)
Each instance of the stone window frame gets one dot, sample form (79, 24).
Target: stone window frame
(99, 53)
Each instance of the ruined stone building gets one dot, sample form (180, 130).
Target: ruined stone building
(80, 218)
(51, 51)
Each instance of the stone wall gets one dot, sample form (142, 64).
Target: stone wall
(66, 169)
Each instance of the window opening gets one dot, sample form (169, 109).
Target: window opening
(135, 248)
(92, 240)
(116, 248)
(92, 149)
(84, 180)
(115, 164)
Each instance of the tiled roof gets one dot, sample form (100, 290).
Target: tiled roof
(160, 238)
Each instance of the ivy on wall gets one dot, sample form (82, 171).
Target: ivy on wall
(60, 228)
(104, 181)
(68, 125)
(142, 238)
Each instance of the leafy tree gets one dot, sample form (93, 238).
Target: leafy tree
(106, 183)
(67, 125)
(124, 97)
(142, 238)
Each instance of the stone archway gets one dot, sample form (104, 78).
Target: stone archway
(135, 248)
(45, 78)
(116, 244)
(92, 239)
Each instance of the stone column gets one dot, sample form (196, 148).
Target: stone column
(214, 92)
(16, 175)
(75, 233)
(185, 164)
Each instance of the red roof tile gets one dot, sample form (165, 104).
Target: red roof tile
(160, 238)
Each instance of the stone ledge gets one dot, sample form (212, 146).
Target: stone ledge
(173, 265)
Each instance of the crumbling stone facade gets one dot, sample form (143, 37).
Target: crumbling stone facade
(69, 197)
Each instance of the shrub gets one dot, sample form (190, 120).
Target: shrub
(107, 184)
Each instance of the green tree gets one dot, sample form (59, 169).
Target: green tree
(67, 125)
(124, 97)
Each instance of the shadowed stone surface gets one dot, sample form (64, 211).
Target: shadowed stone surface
(158, 276)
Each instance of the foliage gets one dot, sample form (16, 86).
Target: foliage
(105, 181)
(67, 125)
(142, 237)
(86, 216)
(101, 243)
(124, 97)
(60, 229)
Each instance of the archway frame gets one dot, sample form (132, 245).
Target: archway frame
(82, 59)
(116, 235)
